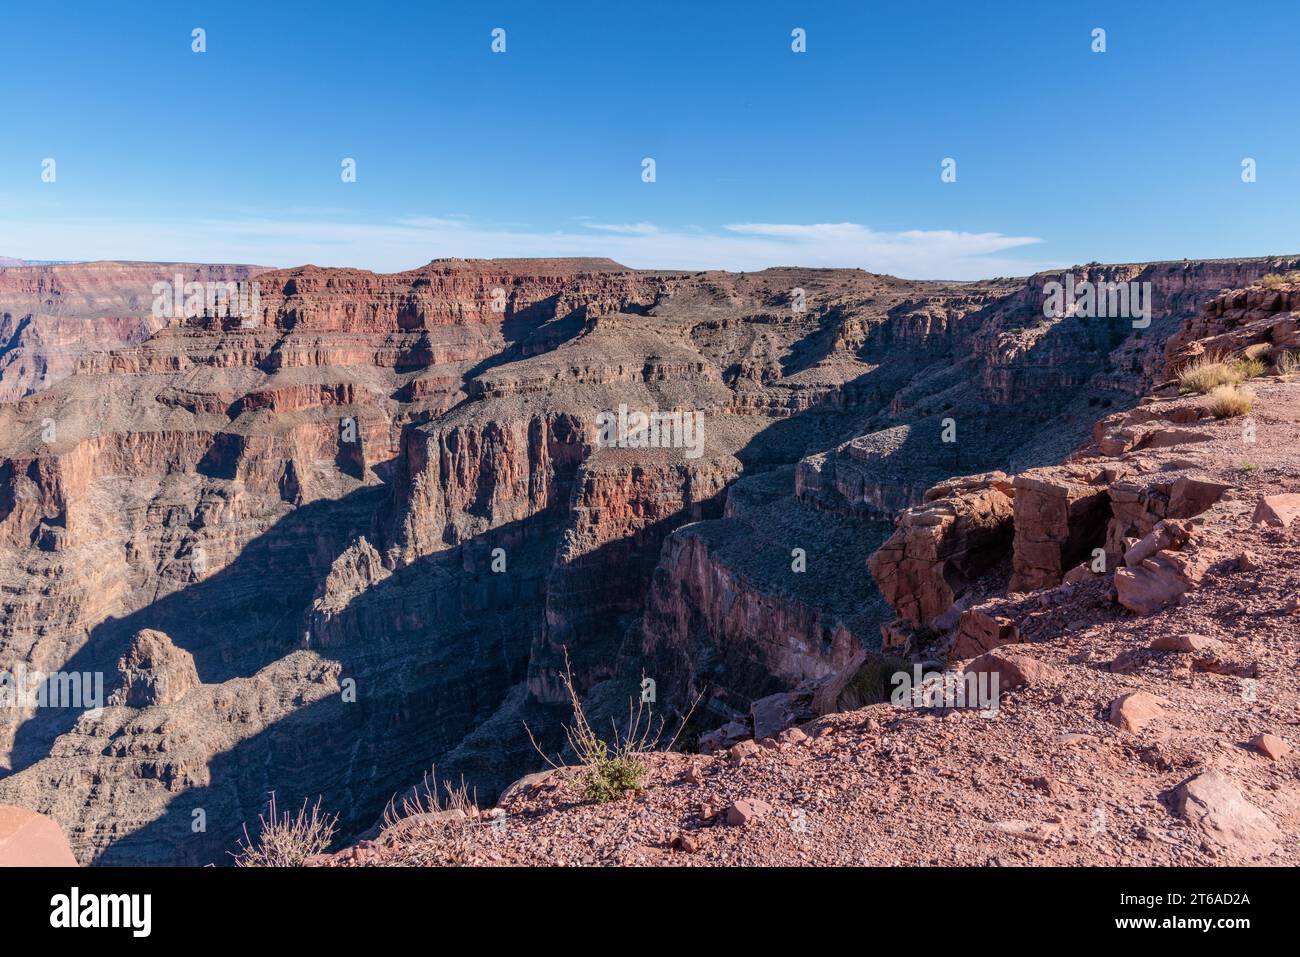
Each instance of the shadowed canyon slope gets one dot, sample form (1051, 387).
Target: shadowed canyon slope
(319, 549)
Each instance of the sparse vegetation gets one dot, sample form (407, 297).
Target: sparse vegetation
(1248, 368)
(608, 770)
(1227, 401)
(1273, 280)
(285, 840)
(1287, 363)
(1209, 372)
(434, 830)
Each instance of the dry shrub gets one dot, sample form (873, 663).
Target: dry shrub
(1273, 280)
(285, 840)
(1287, 363)
(611, 769)
(431, 829)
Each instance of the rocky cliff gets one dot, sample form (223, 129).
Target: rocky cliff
(52, 316)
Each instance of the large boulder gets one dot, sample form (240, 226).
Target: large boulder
(1277, 510)
(1159, 581)
(28, 839)
(1015, 670)
(1213, 804)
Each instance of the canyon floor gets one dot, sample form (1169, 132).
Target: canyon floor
(365, 534)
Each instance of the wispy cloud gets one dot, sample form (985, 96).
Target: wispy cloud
(412, 241)
(630, 229)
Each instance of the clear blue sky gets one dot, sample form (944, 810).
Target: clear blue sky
(764, 156)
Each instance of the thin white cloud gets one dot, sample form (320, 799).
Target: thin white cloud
(800, 230)
(630, 229)
(413, 241)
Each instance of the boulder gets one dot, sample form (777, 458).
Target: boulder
(739, 752)
(1271, 746)
(1277, 510)
(746, 811)
(1187, 643)
(1165, 535)
(1134, 711)
(1014, 670)
(1213, 804)
(1159, 581)
(1192, 496)
(1079, 574)
(978, 632)
(720, 739)
(28, 839)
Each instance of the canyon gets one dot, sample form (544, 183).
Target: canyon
(324, 551)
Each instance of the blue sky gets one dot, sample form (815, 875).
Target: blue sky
(763, 156)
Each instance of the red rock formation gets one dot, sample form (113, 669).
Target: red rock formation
(51, 317)
(940, 547)
(1060, 517)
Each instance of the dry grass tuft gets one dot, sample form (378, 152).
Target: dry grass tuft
(1209, 372)
(1273, 280)
(435, 830)
(1227, 401)
(1287, 363)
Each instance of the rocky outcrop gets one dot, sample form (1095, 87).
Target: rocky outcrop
(1258, 315)
(1061, 515)
(52, 316)
(871, 474)
(942, 546)
(153, 672)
